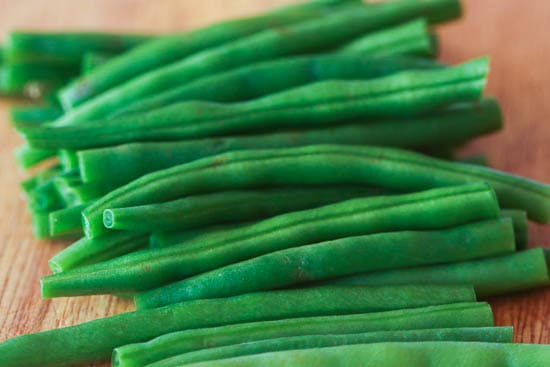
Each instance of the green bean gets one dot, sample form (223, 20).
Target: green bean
(432, 209)
(488, 335)
(397, 354)
(40, 113)
(479, 159)
(68, 160)
(31, 183)
(27, 157)
(35, 79)
(491, 276)
(119, 165)
(95, 340)
(201, 211)
(172, 344)
(89, 251)
(74, 192)
(45, 197)
(65, 48)
(409, 38)
(66, 221)
(392, 169)
(519, 219)
(92, 60)
(283, 39)
(257, 80)
(331, 259)
(40, 224)
(165, 239)
(335, 101)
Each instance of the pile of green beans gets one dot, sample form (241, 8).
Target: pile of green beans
(281, 189)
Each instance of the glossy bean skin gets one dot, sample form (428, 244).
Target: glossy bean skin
(260, 79)
(173, 344)
(166, 239)
(202, 211)
(432, 209)
(89, 251)
(487, 335)
(388, 168)
(315, 35)
(95, 340)
(413, 354)
(492, 276)
(351, 255)
(118, 165)
(335, 101)
(171, 48)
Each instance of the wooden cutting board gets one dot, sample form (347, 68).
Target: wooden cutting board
(513, 33)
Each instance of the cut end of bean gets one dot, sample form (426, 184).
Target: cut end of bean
(108, 218)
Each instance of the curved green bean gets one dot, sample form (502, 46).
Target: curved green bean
(90, 251)
(227, 207)
(257, 80)
(491, 276)
(172, 344)
(175, 54)
(432, 209)
(351, 255)
(334, 101)
(388, 168)
(397, 354)
(487, 335)
(95, 340)
(119, 165)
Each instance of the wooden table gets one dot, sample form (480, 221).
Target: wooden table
(513, 33)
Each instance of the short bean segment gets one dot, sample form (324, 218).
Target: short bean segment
(492, 276)
(71, 345)
(119, 165)
(335, 101)
(432, 209)
(227, 207)
(351, 255)
(167, 49)
(491, 335)
(176, 343)
(317, 165)
(323, 33)
(395, 354)
(519, 218)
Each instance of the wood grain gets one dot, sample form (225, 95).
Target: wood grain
(513, 34)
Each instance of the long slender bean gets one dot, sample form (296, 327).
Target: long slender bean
(40, 113)
(36, 180)
(89, 251)
(227, 207)
(397, 354)
(334, 101)
(95, 340)
(492, 276)
(172, 344)
(487, 335)
(120, 164)
(257, 80)
(393, 169)
(432, 209)
(519, 218)
(351, 255)
(179, 47)
(166, 239)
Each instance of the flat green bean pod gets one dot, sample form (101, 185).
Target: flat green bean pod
(324, 103)
(173, 344)
(118, 165)
(285, 38)
(388, 168)
(491, 335)
(171, 48)
(95, 340)
(492, 276)
(227, 207)
(138, 271)
(351, 255)
(398, 354)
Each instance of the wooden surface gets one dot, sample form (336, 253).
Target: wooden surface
(513, 33)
